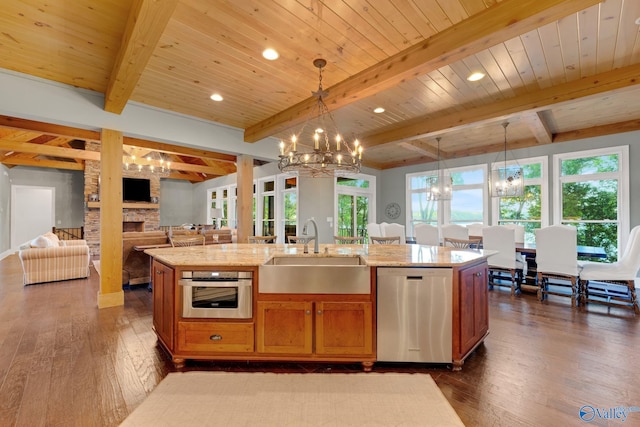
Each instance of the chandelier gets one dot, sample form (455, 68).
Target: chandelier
(507, 181)
(332, 155)
(152, 162)
(439, 187)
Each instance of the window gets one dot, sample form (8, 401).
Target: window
(223, 198)
(289, 199)
(355, 202)
(267, 207)
(591, 192)
(468, 201)
(530, 210)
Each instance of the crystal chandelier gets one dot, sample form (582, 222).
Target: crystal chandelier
(153, 163)
(507, 181)
(439, 187)
(332, 155)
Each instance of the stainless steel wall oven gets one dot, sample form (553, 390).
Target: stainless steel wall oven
(217, 294)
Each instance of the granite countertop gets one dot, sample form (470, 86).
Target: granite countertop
(374, 255)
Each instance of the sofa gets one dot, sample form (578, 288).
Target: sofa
(49, 259)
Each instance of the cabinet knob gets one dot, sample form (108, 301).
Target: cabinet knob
(215, 337)
(478, 274)
(319, 311)
(308, 312)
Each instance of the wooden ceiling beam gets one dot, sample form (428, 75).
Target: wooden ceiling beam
(146, 23)
(48, 128)
(539, 127)
(421, 127)
(48, 150)
(501, 22)
(177, 149)
(41, 163)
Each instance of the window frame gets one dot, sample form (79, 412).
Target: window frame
(622, 176)
(543, 181)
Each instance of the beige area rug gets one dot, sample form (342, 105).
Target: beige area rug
(268, 399)
(96, 265)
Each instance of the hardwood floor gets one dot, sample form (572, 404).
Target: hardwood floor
(63, 362)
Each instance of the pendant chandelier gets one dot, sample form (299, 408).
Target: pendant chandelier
(152, 163)
(332, 155)
(439, 187)
(506, 181)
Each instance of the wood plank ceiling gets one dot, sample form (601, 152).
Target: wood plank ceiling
(555, 70)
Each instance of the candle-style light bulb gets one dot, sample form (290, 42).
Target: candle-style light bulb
(281, 148)
(294, 140)
(316, 139)
(338, 142)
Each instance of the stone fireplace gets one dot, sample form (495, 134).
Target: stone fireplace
(135, 216)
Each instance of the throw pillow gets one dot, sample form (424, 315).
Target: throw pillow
(53, 237)
(41, 242)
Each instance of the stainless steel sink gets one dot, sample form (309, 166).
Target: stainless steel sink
(291, 274)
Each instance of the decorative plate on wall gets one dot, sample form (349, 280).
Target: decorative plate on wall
(392, 210)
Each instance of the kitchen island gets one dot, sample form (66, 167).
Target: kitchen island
(298, 316)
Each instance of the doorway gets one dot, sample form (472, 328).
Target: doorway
(32, 212)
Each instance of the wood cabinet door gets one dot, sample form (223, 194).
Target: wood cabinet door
(163, 302)
(285, 327)
(344, 328)
(474, 316)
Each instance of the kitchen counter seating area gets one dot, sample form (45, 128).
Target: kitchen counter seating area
(276, 303)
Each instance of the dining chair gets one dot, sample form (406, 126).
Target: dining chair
(394, 229)
(502, 239)
(519, 232)
(385, 240)
(557, 262)
(262, 239)
(469, 243)
(348, 240)
(621, 273)
(454, 231)
(299, 239)
(475, 229)
(187, 240)
(426, 234)
(374, 229)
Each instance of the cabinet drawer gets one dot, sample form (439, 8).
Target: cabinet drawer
(215, 337)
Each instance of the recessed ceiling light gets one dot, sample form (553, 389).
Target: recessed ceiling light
(475, 76)
(378, 110)
(270, 54)
(217, 97)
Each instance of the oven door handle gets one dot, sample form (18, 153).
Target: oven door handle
(215, 284)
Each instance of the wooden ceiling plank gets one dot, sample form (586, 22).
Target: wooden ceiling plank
(500, 23)
(539, 127)
(146, 23)
(535, 101)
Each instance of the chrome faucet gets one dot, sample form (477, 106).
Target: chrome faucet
(315, 236)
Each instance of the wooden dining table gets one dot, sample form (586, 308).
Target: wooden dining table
(528, 250)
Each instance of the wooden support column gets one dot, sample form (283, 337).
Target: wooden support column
(110, 293)
(244, 201)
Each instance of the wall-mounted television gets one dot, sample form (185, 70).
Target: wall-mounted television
(136, 190)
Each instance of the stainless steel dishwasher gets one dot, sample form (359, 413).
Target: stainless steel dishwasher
(414, 315)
